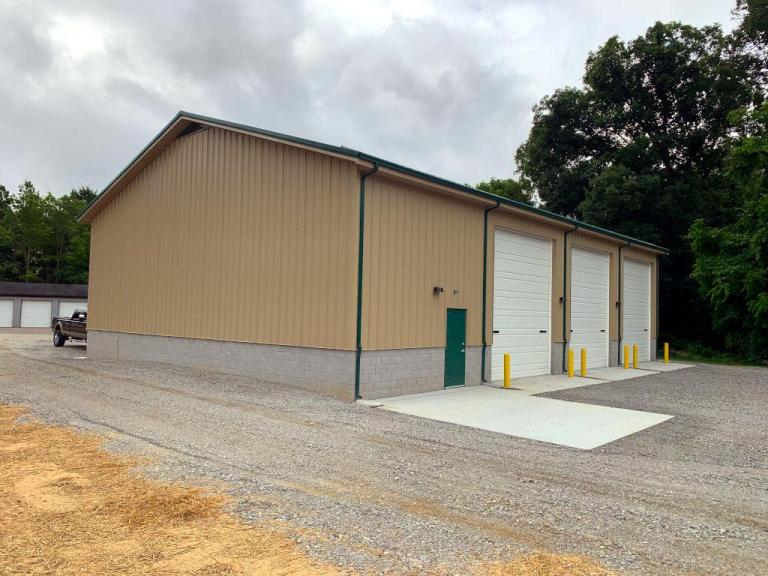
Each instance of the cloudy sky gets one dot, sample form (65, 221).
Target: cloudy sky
(445, 86)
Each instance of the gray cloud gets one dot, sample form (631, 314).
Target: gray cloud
(443, 86)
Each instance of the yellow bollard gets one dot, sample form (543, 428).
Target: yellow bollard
(507, 370)
(635, 351)
(666, 352)
(626, 357)
(570, 363)
(583, 362)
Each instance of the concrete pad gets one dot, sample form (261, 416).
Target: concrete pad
(517, 413)
(616, 373)
(661, 367)
(547, 383)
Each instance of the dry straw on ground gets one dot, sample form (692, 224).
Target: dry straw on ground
(67, 507)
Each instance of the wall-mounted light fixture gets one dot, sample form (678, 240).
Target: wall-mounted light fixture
(437, 290)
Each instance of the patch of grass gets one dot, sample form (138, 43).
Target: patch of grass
(699, 353)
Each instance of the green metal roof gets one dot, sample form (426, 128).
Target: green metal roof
(351, 153)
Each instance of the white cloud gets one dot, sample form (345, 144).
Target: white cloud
(444, 86)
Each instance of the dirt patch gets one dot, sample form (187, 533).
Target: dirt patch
(70, 508)
(543, 564)
(52, 490)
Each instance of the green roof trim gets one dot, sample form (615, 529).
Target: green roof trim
(352, 153)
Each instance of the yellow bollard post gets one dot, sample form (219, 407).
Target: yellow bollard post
(635, 351)
(626, 357)
(666, 352)
(570, 363)
(507, 370)
(583, 362)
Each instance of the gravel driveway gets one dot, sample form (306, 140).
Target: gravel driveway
(386, 492)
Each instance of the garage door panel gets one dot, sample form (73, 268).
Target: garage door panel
(636, 306)
(590, 278)
(522, 281)
(6, 313)
(35, 313)
(66, 307)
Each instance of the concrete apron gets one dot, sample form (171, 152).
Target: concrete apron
(518, 412)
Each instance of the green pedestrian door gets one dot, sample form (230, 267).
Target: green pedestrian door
(455, 337)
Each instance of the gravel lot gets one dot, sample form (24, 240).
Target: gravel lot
(386, 492)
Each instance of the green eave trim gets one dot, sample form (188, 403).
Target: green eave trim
(382, 163)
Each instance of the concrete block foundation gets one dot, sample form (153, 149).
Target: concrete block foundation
(326, 371)
(613, 353)
(383, 373)
(386, 373)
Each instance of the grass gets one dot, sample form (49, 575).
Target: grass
(704, 354)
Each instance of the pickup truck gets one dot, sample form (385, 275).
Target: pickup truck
(73, 327)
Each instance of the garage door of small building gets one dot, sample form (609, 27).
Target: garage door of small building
(6, 313)
(522, 287)
(636, 305)
(35, 313)
(590, 274)
(66, 307)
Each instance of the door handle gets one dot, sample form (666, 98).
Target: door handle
(497, 331)
(602, 330)
(542, 331)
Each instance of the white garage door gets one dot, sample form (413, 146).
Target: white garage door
(522, 287)
(35, 313)
(636, 303)
(589, 306)
(6, 313)
(66, 307)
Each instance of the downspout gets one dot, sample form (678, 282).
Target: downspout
(485, 285)
(360, 246)
(620, 302)
(564, 300)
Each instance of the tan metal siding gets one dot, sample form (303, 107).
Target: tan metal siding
(633, 253)
(516, 222)
(230, 237)
(415, 240)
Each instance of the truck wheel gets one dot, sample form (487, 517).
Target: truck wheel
(59, 339)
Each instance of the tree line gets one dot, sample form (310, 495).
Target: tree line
(40, 237)
(667, 141)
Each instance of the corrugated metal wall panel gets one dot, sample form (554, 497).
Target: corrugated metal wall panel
(231, 237)
(415, 240)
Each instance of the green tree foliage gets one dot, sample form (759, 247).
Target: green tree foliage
(508, 188)
(731, 261)
(40, 238)
(639, 149)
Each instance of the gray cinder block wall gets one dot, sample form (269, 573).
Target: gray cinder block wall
(383, 373)
(326, 371)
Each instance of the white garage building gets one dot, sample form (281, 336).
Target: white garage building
(30, 305)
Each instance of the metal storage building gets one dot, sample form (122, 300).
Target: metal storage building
(34, 305)
(243, 250)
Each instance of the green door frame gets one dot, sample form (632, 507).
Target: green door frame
(455, 347)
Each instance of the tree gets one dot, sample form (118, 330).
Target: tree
(508, 188)
(731, 262)
(40, 238)
(639, 148)
(8, 267)
(29, 229)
